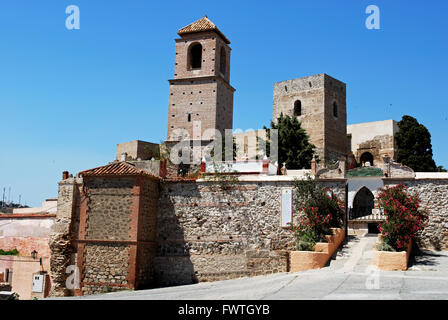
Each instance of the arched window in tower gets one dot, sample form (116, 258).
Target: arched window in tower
(189, 117)
(222, 61)
(298, 108)
(195, 56)
(335, 109)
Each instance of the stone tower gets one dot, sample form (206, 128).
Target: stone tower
(200, 93)
(319, 104)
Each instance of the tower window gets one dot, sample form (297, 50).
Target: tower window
(189, 117)
(335, 109)
(195, 56)
(222, 61)
(297, 108)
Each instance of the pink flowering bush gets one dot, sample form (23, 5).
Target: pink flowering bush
(318, 210)
(404, 218)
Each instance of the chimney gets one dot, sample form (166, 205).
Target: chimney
(65, 175)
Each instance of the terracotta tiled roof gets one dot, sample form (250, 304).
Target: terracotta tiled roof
(122, 168)
(201, 25)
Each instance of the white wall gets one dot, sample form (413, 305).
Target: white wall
(356, 183)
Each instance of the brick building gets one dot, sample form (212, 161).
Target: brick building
(200, 90)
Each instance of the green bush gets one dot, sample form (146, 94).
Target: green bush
(404, 218)
(13, 252)
(318, 210)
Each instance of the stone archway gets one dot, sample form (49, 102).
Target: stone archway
(366, 157)
(363, 203)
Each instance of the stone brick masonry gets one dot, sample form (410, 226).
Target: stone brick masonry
(206, 233)
(192, 231)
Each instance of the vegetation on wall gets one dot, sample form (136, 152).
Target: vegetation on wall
(13, 252)
(294, 148)
(414, 147)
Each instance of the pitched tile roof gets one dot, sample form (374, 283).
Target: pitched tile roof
(201, 25)
(122, 168)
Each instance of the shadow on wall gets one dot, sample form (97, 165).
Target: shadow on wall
(173, 265)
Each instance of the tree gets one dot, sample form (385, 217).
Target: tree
(294, 147)
(222, 156)
(414, 145)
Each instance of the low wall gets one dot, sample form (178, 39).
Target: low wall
(206, 232)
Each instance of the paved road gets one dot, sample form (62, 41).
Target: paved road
(348, 277)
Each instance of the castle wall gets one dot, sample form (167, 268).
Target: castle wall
(434, 196)
(193, 231)
(63, 233)
(206, 233)
(115, 245)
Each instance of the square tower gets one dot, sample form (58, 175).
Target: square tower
(200, 93)
(319, 103)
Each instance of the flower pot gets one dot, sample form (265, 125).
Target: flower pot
(391, 261)
(307, 260)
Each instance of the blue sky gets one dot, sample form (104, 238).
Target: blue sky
(67, 97)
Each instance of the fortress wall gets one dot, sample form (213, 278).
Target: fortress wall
(434, 196)
(207, 233)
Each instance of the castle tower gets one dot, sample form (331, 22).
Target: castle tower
(319, 103)
(200, 90)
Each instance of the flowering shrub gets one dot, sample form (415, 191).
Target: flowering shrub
(318, 211)
(403, 217)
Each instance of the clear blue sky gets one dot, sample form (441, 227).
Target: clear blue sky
(68, 97)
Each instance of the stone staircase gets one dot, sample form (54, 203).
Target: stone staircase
(354, 254)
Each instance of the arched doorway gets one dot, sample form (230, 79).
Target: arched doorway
(366, 157)
(363, 203)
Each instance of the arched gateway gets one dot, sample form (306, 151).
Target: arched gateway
(363, 203)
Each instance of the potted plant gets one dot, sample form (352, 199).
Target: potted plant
(404, 219)
(317, 226)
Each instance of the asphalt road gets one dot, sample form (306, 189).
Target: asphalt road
(348, 277)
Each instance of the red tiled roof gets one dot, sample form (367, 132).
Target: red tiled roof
(122, 168)
(201, 25)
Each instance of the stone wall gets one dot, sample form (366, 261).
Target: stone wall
(63, 233)
(147, 232)
(206, 233)
(434, 196)
(116, 237)
(106, 267)
(316, 94)
(109, 208)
